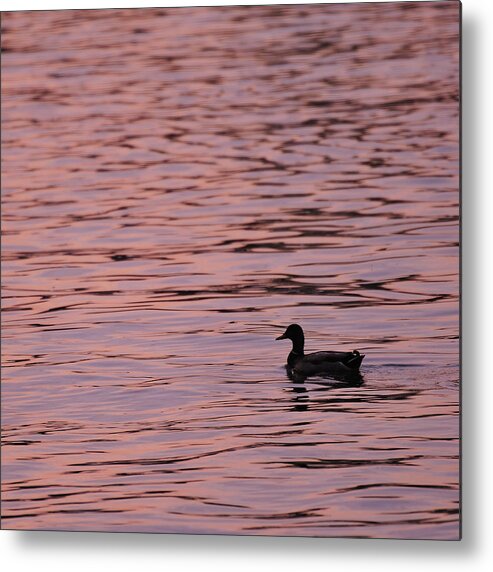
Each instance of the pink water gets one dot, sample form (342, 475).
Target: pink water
(178, 186)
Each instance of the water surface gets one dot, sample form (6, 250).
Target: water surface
(178, 186)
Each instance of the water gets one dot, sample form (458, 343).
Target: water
(180, 185)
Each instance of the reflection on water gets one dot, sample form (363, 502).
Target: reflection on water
(179, 185)
(334, 379)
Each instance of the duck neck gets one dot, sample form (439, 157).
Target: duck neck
(297, 352)
(298, 346)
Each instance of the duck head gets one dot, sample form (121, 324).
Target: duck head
(294, 332)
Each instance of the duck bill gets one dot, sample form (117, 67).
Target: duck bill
(283, 337)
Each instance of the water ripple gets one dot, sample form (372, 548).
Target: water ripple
(180, 184)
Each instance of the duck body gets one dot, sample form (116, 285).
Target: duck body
(319, 362)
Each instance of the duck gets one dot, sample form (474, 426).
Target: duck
(318, 363)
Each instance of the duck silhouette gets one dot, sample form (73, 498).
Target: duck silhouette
(318, 363)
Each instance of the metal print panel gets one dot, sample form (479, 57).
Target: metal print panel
(180, 188)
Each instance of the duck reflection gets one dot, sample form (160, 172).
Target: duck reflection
(300, 397)
(344, 379)
(300, 394)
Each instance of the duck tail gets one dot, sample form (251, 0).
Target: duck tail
(355, 360)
